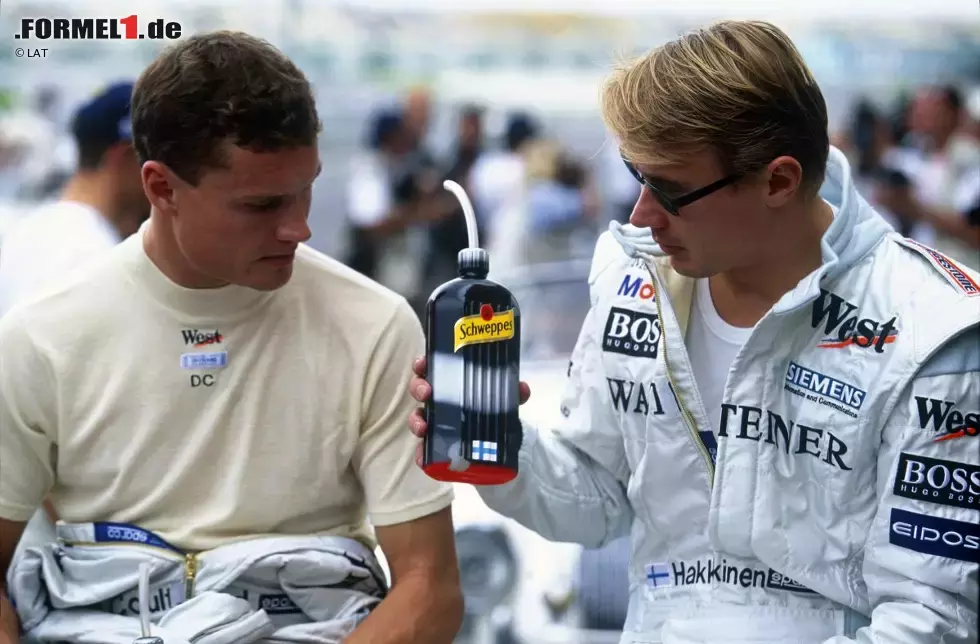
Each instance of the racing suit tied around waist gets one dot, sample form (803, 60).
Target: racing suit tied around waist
(279, 585)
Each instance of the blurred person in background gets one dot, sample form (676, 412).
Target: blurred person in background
(618, 184)
(101, 204)
(879, 161)
(762, 394)
(498, 182)
(560, 203)
(946, 158)
(448, 235)
(220, 401)
(417, 110)
(48, 157)
(393, 195)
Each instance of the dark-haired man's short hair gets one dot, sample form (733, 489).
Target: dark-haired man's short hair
(220, 87)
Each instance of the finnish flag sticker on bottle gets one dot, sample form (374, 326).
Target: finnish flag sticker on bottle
(485, 451)
(213, 360)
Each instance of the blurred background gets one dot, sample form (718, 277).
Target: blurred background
(501, 95)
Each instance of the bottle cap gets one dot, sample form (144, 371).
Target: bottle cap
(473, 262)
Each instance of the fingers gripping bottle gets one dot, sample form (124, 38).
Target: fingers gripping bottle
(473, 338)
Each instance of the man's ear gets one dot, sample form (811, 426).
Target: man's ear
(785, 176)
(158, 185)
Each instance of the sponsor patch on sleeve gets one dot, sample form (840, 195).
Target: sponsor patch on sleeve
(933, 535)
(947, 267)
(938, 481)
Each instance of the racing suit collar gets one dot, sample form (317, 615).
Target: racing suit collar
(854, 232)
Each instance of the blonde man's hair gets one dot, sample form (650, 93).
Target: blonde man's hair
(739, 88)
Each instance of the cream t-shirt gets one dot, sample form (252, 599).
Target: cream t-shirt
(211, 416)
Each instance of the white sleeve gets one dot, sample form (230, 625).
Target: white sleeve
(28, 422)
(922, 553)
(368, 194)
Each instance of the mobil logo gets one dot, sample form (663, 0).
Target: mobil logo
(636, 287)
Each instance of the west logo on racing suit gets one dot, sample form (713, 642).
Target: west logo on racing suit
(935, 535)
(843, 328)
(631, 333)
(682, 573)
(623, 398)
(938, 481)
(946, 419)
(199, 338)
(824, 390)
(636, 287)
(818, 443)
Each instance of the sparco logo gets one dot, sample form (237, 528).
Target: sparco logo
(935, 535)
(682, 573)
(201, 338)
(938, 481)
(278, 604)
(792, 438)
(946, 419)
(632, 333)
(122, 533)
(843, 328)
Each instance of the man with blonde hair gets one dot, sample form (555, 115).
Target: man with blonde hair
(774, 395)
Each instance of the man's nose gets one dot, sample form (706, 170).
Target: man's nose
(294, 227)
(648, 212)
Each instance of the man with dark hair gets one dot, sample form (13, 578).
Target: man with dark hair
(102, 203)
(220, 401)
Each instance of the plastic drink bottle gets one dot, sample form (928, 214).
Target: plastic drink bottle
(473, 346)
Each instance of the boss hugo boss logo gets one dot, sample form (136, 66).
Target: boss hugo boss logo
(938, 481)
(935, 535)
(844, 327)
(631, 333)
(946, 419)
(768, 427)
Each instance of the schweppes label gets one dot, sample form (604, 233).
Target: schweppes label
(479, 329)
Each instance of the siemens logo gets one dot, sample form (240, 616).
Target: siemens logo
(827, 391)
(636, 287)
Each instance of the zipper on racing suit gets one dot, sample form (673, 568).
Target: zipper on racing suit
(190, 573)
(687, 415)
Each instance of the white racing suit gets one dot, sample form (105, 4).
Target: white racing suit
(82, 589)
(840, 500)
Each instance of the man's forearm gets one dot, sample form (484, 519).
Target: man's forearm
(414, 611)
(562, 494)
(9, 625)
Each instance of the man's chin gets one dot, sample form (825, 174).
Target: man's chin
(270, 280)
(685, 265)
